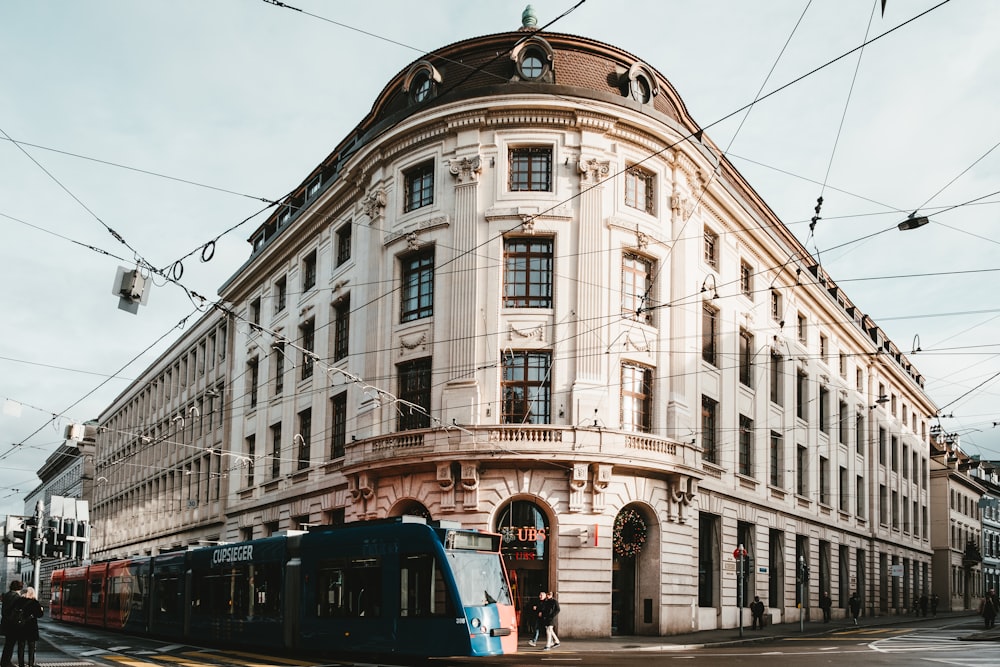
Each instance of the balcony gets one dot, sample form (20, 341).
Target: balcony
(521, 443)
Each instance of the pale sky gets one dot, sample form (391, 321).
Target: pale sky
(169, 122)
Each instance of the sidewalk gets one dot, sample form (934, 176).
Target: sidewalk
(731, 636)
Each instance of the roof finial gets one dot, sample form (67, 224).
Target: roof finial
(528, 18)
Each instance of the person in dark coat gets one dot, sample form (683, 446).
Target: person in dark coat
(31, 608)
(550, 609)
(535, 617)
(988, 608)
(9, 598)
(855, 605)
(757, 612)
(825, 603)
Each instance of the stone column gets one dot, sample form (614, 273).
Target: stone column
(589, 388)
(461, 395)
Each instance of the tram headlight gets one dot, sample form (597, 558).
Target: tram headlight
(475, 622)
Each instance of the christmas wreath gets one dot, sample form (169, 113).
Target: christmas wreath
(630, 533)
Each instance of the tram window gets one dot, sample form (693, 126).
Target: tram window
(120, 593)
(75, 593)
(242, 592)
(349, 588)
(422, 590)
(95, 592)
(167, 593)
(480, 578)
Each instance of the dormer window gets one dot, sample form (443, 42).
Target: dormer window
(533, 61)
(421, 82)
(639, 84)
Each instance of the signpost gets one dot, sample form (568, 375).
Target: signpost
(740, 555)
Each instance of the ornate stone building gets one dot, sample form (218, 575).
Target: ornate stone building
(527, 293)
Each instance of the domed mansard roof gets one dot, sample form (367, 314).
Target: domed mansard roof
(524, 63)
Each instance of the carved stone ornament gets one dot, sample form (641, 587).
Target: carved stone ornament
(374, 203)
(412, 242)
(593, 171)
(467, 169)
(641, 240)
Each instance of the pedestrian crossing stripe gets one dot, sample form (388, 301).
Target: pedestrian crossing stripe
(283, 661)
(129, 661)
(180, 661)
(245, 659)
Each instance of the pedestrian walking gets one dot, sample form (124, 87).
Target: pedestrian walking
(854, 604)
(934, 603)
(757, 613)
(825, 603)
(550, 609)
(535, 617)
(988, 609)
(26, 612)
(10, 637)
(923, 604)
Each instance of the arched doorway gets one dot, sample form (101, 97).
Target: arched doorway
(526, 549)
(410, 507)
(630, 542)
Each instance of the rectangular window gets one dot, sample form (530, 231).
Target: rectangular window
(802, 471)
(711, 248)
(338, 428)
(882, 437)
(894, 451)
(341, 328)
(801, 328)
(860, 497)
(307, 336)
(746, 446)
(777, 478)
(843, 365)
(824, 410)
(253, 380)
(417, 297)
(777, 378)
(251, 452)
(304, 439)
(276, 450)
(526, 388)
(801, 395)
(414, 388)
(280, 294)
(254, 315)
(637, 398)
(531, 169)
(883, 505)
(842, 423)
(278, 355)
(344, 243)
(309, 271)
(777, 312)
(527, 277)
(637, 282)
(824, 480)
(639, 189)
(824, 348)
(709, 334)
(709, 429)
(746, 358)
(746, 280)
(423, 591)
(845, 490)
(418, 183)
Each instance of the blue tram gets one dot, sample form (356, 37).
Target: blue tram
(395, 586)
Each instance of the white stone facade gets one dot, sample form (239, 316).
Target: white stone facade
(531, 306)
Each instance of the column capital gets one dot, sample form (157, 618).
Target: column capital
(593, 171)
(466, 169)
(374, 203)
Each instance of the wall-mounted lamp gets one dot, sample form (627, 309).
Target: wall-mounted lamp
(913, 222)
(709, 282)
(881, 400)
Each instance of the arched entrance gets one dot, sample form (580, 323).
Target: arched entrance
(410, 507)
(630, 549)
(526, 546)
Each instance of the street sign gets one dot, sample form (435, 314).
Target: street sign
(739, 552)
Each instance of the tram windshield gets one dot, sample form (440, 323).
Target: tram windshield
(480, 578)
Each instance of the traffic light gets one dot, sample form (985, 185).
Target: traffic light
(31, 541)
(805, 573)
(14, 537)
(54, 544)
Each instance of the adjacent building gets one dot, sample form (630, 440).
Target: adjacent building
(529, 294)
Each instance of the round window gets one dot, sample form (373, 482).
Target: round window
(532, 65)
(421, 87)
(641, 89)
